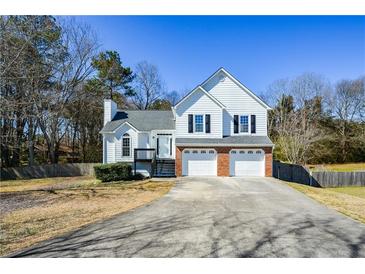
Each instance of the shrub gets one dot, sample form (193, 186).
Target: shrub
(113, 172)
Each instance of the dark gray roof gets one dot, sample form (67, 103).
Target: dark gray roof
(143, 120)
(225, 141)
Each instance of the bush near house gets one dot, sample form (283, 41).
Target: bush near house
(113, 172)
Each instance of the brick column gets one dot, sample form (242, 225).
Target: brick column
(178, 163)
(268, 162)
(223, 161)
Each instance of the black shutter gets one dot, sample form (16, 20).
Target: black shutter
(235, 123)
(190, 123)
(253, 123)
(207, 123)
(158, 146)
(170, 146)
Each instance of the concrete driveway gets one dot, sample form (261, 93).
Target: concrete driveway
(218, 217)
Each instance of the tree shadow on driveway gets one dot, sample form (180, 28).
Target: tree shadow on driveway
(202, 234)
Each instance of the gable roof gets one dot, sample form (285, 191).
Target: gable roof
(141, 120)
(237, 82)
(200, 88)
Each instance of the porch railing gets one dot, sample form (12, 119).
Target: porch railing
(144, 154)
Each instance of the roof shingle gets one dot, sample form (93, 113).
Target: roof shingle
(143, 120)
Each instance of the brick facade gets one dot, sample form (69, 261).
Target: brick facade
(223, 160)
(178, 161)
(268, 162)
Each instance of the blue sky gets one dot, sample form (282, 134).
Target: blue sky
(256, 49)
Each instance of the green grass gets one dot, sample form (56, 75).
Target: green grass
(348, 167)
(356, 191)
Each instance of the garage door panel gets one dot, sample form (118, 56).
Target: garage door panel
(247, 163)
(199, 162)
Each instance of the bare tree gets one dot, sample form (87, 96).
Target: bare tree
(173, 97)
(348, 106)
(307, 86)
(293, 123)
(349, 98)
(26, 45)
(148, 85)
(295, 140)
(70, 70)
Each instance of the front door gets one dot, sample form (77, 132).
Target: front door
(164, 143)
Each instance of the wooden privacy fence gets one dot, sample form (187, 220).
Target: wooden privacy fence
(301, 175)
(43, 171)
(292, 173)
(338, 179)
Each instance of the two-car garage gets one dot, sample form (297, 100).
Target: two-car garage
(242, 162)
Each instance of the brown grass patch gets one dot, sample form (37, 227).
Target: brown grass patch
(347, 200)
(67, 209)
(44, 183)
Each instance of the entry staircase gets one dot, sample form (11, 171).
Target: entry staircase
(164, 168)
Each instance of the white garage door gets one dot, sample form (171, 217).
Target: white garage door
(247, 162)
(199, 162)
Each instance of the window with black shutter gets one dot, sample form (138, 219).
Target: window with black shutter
(235, 123)
(253, 123)
(190, 122)
(207, 123)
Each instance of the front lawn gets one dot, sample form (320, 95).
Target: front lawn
(347, 200)
(35, 210)
(46, 183)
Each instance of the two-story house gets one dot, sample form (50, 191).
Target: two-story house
(218, 129)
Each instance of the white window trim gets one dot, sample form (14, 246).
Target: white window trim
(201, 132)
(239, 125)
(130, 147)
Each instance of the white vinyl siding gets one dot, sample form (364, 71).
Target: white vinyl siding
(198, 104)
(118, 139)
(143, 140)
(110, 148)
(237, 101)
(226, 125)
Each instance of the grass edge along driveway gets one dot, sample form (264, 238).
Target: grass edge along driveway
(50, 207)
(347, 200)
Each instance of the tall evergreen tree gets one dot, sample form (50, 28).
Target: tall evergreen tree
(111, 74)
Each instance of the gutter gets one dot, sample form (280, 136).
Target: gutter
(222, 145)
